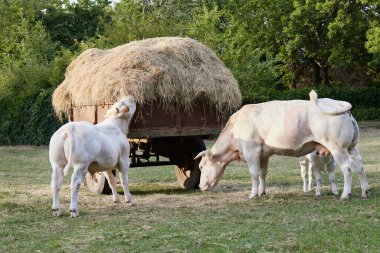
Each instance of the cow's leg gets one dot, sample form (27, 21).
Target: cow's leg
(318, 180)
(76, 180)
(254, 170)
(112, 183)
(304, 164)
(124, 165)
(331, 170)
(357, 165)
(342, 158)
(310, 175)
(263, 175)
(56, 184)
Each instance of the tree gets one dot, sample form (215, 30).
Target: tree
(328, 35)
(139, 19)
(228, 30)
(72, 23)
(373, 41)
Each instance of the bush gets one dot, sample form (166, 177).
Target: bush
(365, 101)
(27, 119)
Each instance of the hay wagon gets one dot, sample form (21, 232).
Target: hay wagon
(184, 94)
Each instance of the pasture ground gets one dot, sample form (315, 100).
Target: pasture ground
(169, 219)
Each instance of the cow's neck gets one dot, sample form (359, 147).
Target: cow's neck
(224, 149)
(121, 123)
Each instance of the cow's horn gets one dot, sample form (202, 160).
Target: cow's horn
(202, 153)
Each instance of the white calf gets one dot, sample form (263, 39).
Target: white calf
(316, 162)
(92, 148)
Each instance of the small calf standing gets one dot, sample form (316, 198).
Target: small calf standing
(92, 148)
(316, 162)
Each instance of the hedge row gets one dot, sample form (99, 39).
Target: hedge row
(31, 120)
(365, 101)
(27, 120)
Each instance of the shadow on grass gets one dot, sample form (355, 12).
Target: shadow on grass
(158, 189)
(174, 191)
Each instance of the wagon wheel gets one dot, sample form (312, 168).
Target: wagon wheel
(187, 169)
(97, 183)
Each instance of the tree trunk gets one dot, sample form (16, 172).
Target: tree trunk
(317, 74)
(326, 79)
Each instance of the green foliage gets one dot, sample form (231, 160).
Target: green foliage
(222, 29)
(373, 46)
(271, 48)
(30, 65)
(136, 20)
(27, 119)
(70, 24)
(365, 102)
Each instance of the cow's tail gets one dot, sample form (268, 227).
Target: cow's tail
(68, 136)
(313, 96)
(340, 107)
(356, 131)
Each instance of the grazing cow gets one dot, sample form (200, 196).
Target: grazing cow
(315, 163)
(290, 128)
(92, 148)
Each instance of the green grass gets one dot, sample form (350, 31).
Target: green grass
(169, 219)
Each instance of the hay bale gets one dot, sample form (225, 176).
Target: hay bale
(168, 70)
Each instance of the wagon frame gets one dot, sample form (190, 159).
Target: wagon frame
(155, 133)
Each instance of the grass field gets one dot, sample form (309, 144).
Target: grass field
(169, 219)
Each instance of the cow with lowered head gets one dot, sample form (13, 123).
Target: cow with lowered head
(289, 128)
(92, 148)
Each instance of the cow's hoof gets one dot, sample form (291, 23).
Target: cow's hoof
(335, 193)
(252, 196)
(366, 194)
(262, 194)
(74, 213)
(57, 212)
(345, 197)
(131, 203)
(116, 201)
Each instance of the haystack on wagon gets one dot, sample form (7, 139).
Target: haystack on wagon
(184, 94)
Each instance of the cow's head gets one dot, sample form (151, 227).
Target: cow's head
(125, 107)
(211, 170)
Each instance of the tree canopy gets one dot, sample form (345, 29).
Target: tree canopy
(269, 46)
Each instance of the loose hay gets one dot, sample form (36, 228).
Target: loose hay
(168, 70)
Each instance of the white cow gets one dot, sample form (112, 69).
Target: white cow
(290, 128)
(92, 148)
(315, 163)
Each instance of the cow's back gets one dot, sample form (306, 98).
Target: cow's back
(278, 124)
